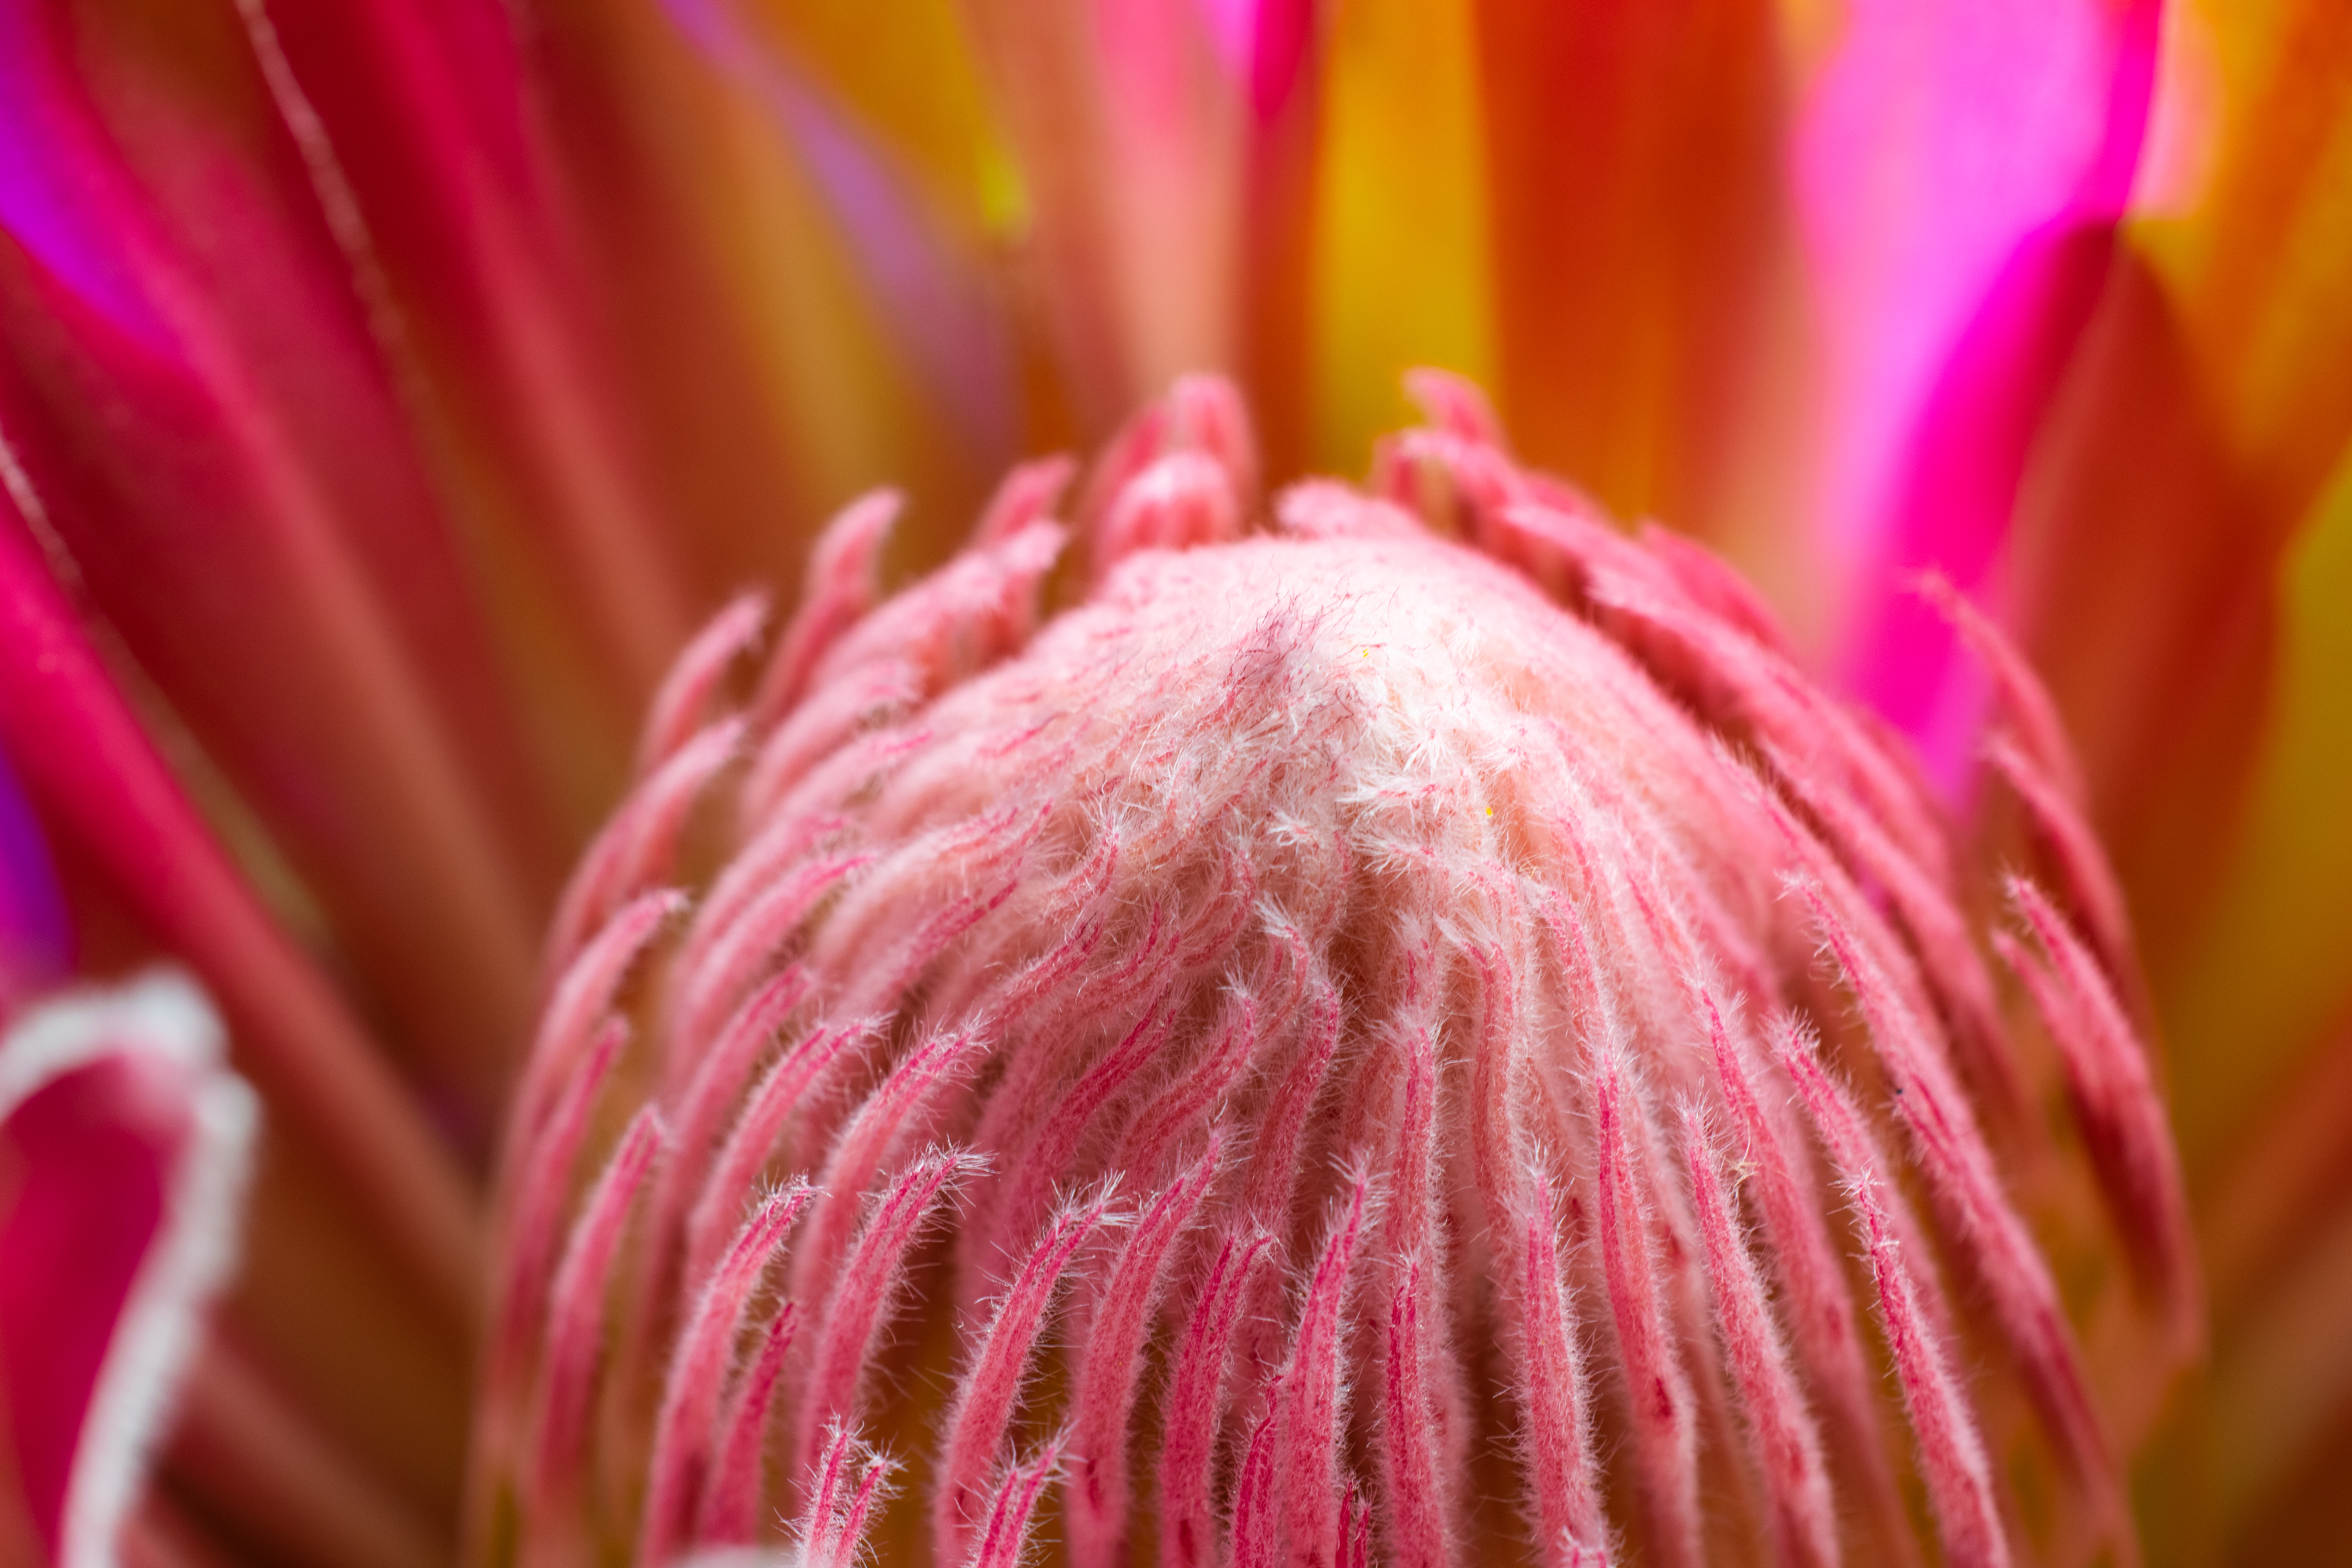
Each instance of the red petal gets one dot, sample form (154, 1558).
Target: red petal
(123, 1151)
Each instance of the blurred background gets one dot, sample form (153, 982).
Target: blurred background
(387, 388)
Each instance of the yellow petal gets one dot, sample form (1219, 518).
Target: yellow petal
(1401, 254)
(2259, 266)
(2270, 973)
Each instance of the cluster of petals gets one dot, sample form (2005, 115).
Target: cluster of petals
(1378, 1023)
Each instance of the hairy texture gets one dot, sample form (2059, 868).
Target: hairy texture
(1788, 1449)
(1556, 1426)
(1189, 1530)
(1820, 1314)
(576, 1309)
(1307, 1429)
(838, 589)
(1657, 1390)
(842, 1488)
(579, 1000)
(853, 1315)
(986, 1393)
(687, 1423)
(730, 1510)
(2115, 1099)
(1361, 1036)
(1098, 1497)
(1413, 1445)
(637, 845)
(1951, 1455)
(1007, 1530)
(520, 1291)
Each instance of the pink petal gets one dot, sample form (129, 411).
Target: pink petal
(582, 995)
(1412, 1451)
(1274, 1167)
(124, 1143)
(534, 1229)
(1558, 1441)
(886, 1121)
(430, 120)
(751, 1142)
(1184, 1103)
(1007, 1532)
(1967, 1183)
(681, 705)
(1026, 494)
(715, 1090)
(1820, 1313)
(837, 588)
(237, 478)
(636, 847)
(2111, 1086)
(97, 776)
(1028, 1186)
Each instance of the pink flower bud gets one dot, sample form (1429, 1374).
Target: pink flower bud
(1417, 1035)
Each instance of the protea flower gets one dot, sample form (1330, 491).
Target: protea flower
(1369, 971)
(1227, 1015)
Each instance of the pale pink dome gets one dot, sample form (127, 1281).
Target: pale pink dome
(1415, 1034)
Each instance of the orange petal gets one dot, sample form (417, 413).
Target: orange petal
(1401, 226)
(1634, 190)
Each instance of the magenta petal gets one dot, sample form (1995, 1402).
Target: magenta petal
(123, 1146)
(1960, 168)
(244, 496)
(89, 1152)
(55, 193)
(1263, 43)
(1951, 514)
(36, 940)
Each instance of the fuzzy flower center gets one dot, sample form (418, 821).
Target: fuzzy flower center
(1415, 1035)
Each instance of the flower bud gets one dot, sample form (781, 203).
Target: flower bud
(1417, 1035)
